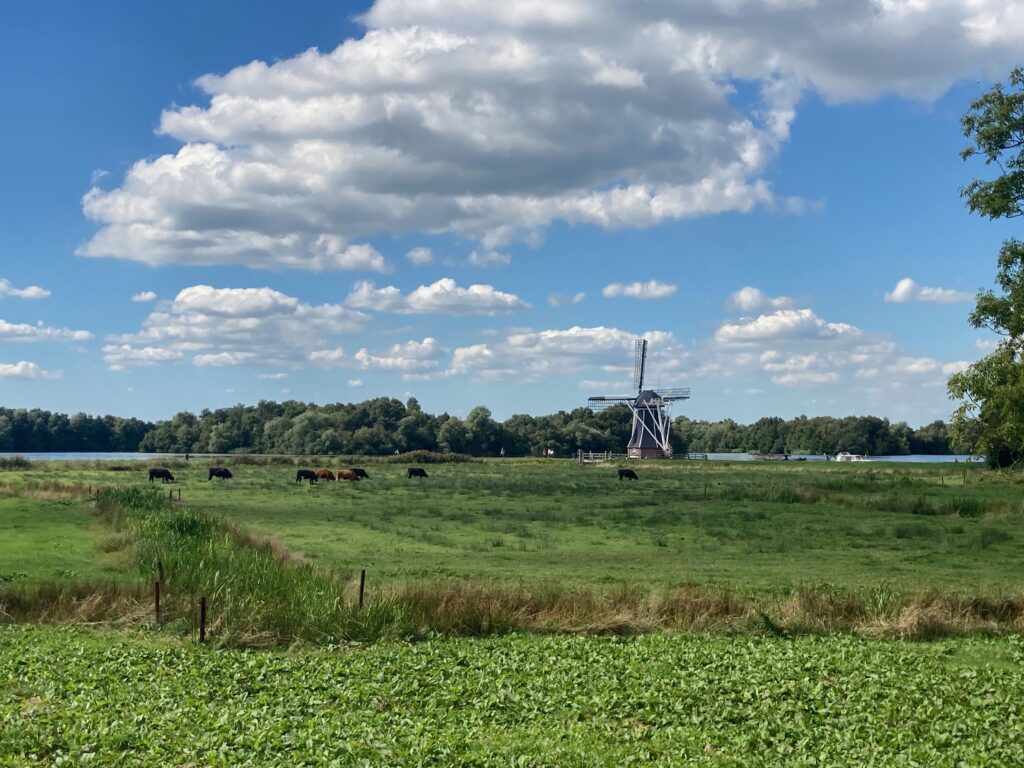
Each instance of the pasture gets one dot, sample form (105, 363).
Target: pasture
(763, 528)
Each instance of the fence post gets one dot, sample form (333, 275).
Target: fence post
(202, 619)
(179, 494)
(705, 490)
(362, 587)
(156, 601)
(170, 495)
(160, 570)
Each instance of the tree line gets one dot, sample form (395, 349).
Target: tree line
(385, 425)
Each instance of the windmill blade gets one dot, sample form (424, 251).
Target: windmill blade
(600, 403)
(639, 363)
(673, 393)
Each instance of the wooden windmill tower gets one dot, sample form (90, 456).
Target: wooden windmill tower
(652, 411)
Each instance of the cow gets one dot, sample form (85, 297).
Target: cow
(416, 472)
(361, 473)
(627, 474)
(325, 474)
(164, 475)
(306, 474)
(348, 474)
(222, 472)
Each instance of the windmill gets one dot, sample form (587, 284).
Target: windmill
(652, 411)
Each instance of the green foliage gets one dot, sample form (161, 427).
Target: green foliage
(78, 698)
(992, 390)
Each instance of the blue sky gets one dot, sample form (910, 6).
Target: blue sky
(744, 183)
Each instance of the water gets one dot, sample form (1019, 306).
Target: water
(916, 457)
(91, 456)
(926, 459)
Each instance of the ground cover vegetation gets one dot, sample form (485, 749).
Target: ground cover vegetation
(383, 425)
(515, 700)
(484, 547)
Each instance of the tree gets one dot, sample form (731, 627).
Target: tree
(992, 390)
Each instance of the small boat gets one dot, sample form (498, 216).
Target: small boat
(844, 456)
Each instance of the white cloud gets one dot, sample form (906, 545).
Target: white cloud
(410, 356)
(955, 367)
(273, 376)
(565, 299)
(355, 383)
(783, 324)
(492, 121)
(420, 256)
(145, 296)
(489, 258)
(231, 327)
(907, 290)
(652, 289)
(986, 345)
(443, 297)
(527, 355)
(26, 370)
(806, 378)
(39, 332)
(750, 299)
(28, 292)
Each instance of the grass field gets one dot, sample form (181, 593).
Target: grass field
(80, 698)
(759, 528)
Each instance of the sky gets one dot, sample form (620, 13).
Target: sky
(478, 203)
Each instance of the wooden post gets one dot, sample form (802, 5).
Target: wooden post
(179, 494)
(202, 619)
(170, 495)
(160, 570)
(362, 587)
(705, 490)
(156, 601)
(942, 480)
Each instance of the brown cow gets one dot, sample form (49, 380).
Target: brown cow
(324, 474)
(348, 474)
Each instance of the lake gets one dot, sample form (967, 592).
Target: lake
(950, 458)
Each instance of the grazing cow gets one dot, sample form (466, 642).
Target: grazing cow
(325, 474)
(416, 472)
(348, 474)
(222, 472)
(361, 473)
(627, 474)
(164, 475)
(306, 474)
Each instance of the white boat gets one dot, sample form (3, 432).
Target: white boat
(844, 456)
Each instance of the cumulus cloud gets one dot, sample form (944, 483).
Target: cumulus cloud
(26, 370)
(28, 292)
(750, 299)
(39, 332)
(144, 297)
(907, 290)
(565, 299)
(527, 355)
(478, 119)
(420, 256)
(443, 297)
(652, 289)
(231, 327)
(410, 356)
(783, 324)
(273, 376)
(354, 383)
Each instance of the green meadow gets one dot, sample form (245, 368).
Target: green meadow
(754, 527)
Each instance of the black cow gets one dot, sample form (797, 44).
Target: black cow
(306, 474)
(222, 472)
(627, 474)
(416, 472)
(361, 473)
(164, 475)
